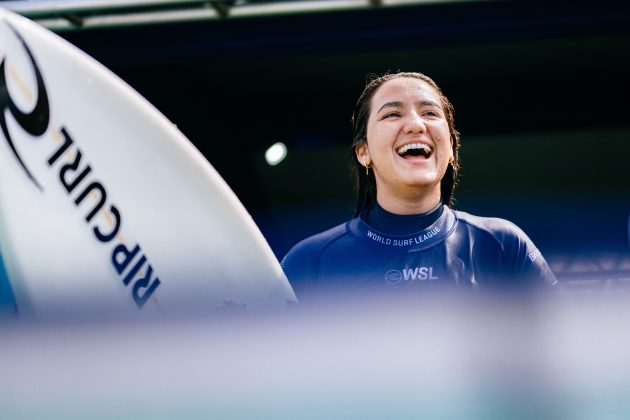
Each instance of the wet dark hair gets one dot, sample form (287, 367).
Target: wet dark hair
(365, 185)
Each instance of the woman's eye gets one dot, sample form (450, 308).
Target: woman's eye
(391, 115)
(431, 113)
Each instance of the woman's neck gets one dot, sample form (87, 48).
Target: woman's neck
(416, 203)
(397, 224)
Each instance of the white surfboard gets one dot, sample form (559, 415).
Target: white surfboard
(105, 207)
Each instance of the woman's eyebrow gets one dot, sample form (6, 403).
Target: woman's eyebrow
(426, 102)
(393, 104)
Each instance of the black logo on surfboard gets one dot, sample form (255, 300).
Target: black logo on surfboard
(35, 122)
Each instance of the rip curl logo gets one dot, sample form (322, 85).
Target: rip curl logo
(76, 179)
(36, 122)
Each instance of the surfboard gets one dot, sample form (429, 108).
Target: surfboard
(105, 207)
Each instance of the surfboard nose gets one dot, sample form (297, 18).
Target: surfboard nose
(105, 205)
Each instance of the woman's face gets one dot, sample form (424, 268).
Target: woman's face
(408, 139)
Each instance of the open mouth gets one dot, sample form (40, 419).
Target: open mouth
(410, 151)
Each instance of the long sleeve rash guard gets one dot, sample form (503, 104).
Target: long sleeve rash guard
(457, 250)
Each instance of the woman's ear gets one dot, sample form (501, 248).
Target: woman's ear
(363, 154)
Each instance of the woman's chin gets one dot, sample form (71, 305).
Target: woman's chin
(425, 180)
(423, 186)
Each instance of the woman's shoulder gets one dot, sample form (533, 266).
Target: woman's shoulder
(501, 230)
(313, 246)
(522, 259)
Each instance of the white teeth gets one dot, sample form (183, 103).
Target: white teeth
(406, 147)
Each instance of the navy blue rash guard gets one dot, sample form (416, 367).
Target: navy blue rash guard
(400, 224)
(455, 249)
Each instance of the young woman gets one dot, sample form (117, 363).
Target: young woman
(404, 236)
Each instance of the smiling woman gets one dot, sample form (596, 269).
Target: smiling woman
(404, 236)
(413, 143)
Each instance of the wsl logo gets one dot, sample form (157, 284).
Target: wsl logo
(67, 163)
(394, 277)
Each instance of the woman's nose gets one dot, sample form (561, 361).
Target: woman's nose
(414, 123)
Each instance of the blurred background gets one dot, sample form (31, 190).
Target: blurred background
(540, 91)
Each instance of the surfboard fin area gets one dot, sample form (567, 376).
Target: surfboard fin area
(104, 205)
